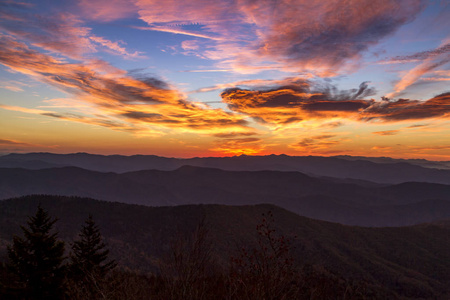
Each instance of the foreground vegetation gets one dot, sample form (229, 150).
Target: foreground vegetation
(36, 269)
(195, 264)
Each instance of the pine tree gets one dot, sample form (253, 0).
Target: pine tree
(36, 259)
(89, 257)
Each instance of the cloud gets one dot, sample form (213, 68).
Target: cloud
(430, 61)
(326, 35)
(296, 101)
(332, 124)
(24, 109)
(417, 125)
(107, 10)
(319, 37)
(381, 148)
(303, 100)
(115, 47)
(104, 122)
(100, 121)
(178, 31)
(233, 134)
(62, 33)
(442, 147)
(9, 145)
(4, 142)
(12, 85)
(190, 45)
(316, 143)
(238, 146)
(387, 132)
(406, 109)
(141, 100)
(419, 56)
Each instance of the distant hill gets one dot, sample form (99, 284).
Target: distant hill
(346, 202)
(413, 261)
(381, 170)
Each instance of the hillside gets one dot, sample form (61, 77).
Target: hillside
(412, 261)
(346, 202)
(379, 170)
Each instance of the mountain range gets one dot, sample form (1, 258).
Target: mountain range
(380, 170)
(350, 202)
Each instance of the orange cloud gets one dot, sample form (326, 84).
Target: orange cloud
(318, 143)
(297, 101)
(238, 146)
(9, 145)
(382, 148)
(302, 100)
(144, 101)
(13, 142)
(387, 132)
(405, 109)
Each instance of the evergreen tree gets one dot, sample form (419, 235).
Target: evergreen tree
(89, 258)
(36, 259)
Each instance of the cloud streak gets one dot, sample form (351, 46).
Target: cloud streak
(429, 62)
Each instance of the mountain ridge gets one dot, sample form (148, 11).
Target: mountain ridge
(340, 167)
(325, 199)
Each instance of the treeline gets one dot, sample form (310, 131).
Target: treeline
(40, 266)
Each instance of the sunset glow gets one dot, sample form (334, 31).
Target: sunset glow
(229, 77)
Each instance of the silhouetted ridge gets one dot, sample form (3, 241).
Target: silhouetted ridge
(328, 199)
(380, 170)
(409, 260)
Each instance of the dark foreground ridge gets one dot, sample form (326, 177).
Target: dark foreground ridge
(409, 262)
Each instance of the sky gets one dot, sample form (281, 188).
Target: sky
(221, 78)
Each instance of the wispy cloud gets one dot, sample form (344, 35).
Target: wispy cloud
(116, 47)
(419, 56)
(178, 31)
(430, 61)
(13, 142)
(13, 85)
(10, 145)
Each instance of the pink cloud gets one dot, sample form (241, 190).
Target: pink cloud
(61, 33)
(322, 37)
(107, 10)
